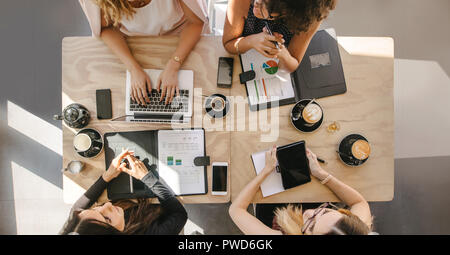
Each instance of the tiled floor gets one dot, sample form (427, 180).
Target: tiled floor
(30, 71)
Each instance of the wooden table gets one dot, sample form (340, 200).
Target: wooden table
(88, 65)
(366, 108)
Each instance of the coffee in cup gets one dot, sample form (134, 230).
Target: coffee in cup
(360, 149)
(312, 113)
(218, 104)
(82, 142)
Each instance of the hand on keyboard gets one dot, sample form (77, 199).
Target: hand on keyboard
(140, 83)
(178, 104)
(167, 83)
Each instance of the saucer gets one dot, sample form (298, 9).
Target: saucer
(300, 124)
(345, 146)
(97, 138)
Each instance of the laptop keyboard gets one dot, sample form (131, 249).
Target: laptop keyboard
(178, 104)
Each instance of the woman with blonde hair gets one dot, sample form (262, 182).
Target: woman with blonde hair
(326, 219)
(114, 20)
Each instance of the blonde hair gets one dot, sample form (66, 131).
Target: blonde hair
(290, 220)
(115, 10)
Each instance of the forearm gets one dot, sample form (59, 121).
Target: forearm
(114, 39)
(243, 44)
(245, 197)
(345, 193)
(189, 37)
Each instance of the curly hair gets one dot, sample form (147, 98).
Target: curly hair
(115, 10)
(299, 15)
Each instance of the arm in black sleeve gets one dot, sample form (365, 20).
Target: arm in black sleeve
(175, 215)
(86, 200)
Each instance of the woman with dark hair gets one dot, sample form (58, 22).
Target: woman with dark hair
(327, 219)
(127, 217)
(293, 23)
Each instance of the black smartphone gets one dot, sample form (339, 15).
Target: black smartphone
(225, 72)
(104, 107)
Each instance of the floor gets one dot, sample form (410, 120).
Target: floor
(30, 150)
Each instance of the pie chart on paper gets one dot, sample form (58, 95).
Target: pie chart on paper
(271, 67)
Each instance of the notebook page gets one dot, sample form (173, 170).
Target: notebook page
(273, 183)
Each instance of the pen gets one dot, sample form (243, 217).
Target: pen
(270, 33)
(321, 160)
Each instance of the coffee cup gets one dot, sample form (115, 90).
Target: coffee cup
(88, 143)
(306, 116)
(360, 149)
(354, 150)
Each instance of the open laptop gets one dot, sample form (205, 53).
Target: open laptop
(178, 111)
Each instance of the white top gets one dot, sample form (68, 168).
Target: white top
(159, 17)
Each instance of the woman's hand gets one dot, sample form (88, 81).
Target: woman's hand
(140, 86)
(316, 169)
(263, 43)
(271, 160)
(116, 166)
(138, 169)
(168, 81)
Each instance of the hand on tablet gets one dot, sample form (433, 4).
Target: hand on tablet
(271, 160)
(116, 165)
(316, 170)
(137, 168)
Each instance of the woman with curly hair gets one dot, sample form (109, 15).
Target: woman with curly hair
(293, 23)
(127, 217)
(114, 20)
(326, 219)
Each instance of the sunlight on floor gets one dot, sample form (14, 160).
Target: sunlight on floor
(191, 228)
(34, 127)
(38, 205)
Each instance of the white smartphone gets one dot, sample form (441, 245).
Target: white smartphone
(219, 178)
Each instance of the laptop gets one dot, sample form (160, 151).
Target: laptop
(178, 111)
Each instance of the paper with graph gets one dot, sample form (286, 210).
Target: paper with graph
(177, 150)
(271, 83)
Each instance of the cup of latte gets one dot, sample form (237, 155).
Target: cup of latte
(312, 113)
(360, 149)
(354, 150)
(88, 143)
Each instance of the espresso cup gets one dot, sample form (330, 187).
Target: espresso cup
(88, 143)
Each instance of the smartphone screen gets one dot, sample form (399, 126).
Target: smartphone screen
(219, 178)
(225, 72)
(104, 107)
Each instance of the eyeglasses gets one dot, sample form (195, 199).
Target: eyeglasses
(317, 211)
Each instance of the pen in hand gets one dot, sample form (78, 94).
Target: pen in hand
(270, 33)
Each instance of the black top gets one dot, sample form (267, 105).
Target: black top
(253, 25)
(171, 222)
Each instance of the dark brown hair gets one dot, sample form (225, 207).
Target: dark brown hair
(141, 215)
(299, 15)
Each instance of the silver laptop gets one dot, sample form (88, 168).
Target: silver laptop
(178, 111)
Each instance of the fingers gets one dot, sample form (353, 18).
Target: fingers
(163, 93)
(145, 93)
(170, 95)
(131, 161)
(141, 96)
(133, 95)
(158, 84)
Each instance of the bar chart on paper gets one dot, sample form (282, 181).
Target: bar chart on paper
(270, 83)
